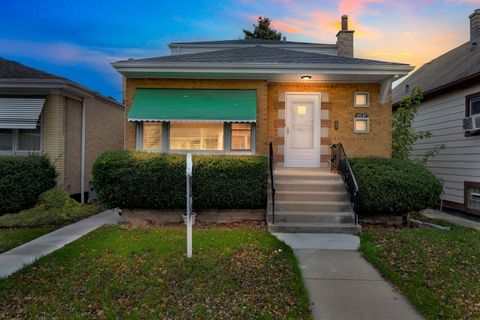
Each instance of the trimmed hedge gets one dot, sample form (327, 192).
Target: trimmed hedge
(157, 181)
(54, 208)
(393, 186)
(22, 180)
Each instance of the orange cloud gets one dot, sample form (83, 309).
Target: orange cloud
(358, 6)
(286, 27)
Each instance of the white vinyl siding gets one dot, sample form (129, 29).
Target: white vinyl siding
(460, 161)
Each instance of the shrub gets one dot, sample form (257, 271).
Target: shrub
(55, 207)
(22, 180)
(148, 180)
(393, 186)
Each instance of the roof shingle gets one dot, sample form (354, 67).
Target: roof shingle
(263, 55)
(459, 63)
(10, 69)
(248, 42)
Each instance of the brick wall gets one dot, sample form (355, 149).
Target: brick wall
(61, 136)
(53, 134)
(73, 147)
(259, 85)
(103, 131)
(337, 104)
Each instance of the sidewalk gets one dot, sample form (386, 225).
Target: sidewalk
(341, 283)
(18, 257)
(435, 214)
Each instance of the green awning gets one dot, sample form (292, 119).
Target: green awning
(194, 105)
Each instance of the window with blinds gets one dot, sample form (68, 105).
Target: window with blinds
(204, 136)
(241, 136)
(152, 136)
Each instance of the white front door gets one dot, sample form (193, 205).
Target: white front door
(302, 131)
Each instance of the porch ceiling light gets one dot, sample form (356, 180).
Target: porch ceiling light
(306, 77)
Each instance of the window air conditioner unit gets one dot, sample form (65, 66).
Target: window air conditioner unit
(471, 123)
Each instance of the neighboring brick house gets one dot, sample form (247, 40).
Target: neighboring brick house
(451, 112)
(43, 113)
(236, 96)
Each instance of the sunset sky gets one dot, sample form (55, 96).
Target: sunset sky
(79, 39)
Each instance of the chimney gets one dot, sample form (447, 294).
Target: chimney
(345, 39)
(475, 25)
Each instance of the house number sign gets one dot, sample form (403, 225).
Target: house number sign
(361, 115)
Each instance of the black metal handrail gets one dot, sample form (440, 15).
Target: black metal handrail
(272, 180)
(340, 163)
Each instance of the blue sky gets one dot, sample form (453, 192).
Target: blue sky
(79, 39)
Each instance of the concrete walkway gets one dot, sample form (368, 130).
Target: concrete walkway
(456, 219)
(18, 257)
(342, 285)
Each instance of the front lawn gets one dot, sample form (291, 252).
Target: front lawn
(439, 271)
(11, 238)
(236, 273)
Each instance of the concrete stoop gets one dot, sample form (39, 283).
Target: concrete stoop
(310, 201)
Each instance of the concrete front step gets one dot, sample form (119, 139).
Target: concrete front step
(293, 227)
(306, 175)
(310, 185)
(284, 195)
(319, 206)
(312, 217)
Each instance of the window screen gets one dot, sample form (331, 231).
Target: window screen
(29, 139)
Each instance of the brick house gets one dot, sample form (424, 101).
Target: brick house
(238, 96)
(41, 113)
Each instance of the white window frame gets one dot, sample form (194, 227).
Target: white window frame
(227, 142)
(361, 105)
(15, 144)
(470, 106)
(355, 119)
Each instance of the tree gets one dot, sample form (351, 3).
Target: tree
(263, 30)
(404, 135)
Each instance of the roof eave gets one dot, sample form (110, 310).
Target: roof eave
(125, 67)
(445, 88)
(61, 84)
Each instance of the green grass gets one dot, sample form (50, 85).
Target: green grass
(236, 273)
(11, 238)
(438, 271)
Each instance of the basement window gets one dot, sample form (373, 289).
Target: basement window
(472, 196)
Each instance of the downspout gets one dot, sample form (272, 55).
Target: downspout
(82, 159)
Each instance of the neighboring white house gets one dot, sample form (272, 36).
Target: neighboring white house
(451, 112)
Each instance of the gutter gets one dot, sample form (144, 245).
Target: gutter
(82, 157)
(63, 84)
(255, 67)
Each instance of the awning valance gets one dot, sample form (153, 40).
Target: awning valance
(194, 105)
(20, 113)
